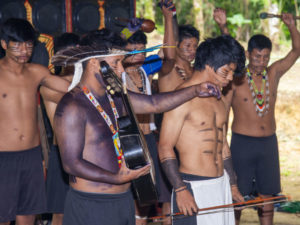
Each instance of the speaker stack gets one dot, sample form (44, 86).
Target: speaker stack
(54, 17)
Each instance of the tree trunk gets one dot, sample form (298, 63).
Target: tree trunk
(198, 15)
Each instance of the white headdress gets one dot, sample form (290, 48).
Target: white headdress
(78, 54)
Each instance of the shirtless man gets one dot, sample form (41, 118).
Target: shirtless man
(254, 144)
(185, 53)
(100, 183)
(198, 131)
(57, 182)
(22, 193)
(138, 81)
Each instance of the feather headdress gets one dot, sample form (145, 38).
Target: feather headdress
(78, 54)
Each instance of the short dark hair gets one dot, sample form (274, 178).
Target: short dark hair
(104, 37)
(187, 31)
(220, 51)
(65, 40)
(260, 42)
(138, 37)
(18, 30)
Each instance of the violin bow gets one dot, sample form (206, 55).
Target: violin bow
(246, 204)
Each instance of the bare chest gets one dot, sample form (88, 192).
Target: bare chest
(207, 112)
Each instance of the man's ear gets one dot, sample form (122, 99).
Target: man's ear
(94, 63)
(3, 44)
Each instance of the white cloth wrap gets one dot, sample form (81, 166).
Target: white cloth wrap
(149, 92)
(210, 193)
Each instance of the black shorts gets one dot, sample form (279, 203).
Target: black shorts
(256, 163)
(57, 183)
(22, 185)
(82, 208)
(163, 187)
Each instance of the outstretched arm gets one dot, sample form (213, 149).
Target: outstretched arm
(280, 67)
(221, 19)
(143, 104)
(169, 134)
(169, 38)
(69, 125)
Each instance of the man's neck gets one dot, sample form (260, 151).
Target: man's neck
(253, 71)
(184, 63)
(93, 86)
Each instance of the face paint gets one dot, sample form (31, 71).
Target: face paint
(19, 51)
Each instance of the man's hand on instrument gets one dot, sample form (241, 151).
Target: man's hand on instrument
(288, 19)
(208, 89)
(125, 174)
(220, 17)
(186, 202)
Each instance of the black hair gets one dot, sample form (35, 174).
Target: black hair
(104, 37)
(260, 42)
(17, 30)
(220, 51)
(138, 37)
(187, 31)
(65, 40)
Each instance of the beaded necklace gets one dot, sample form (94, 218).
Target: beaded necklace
(143, 88)
(261, 105)
(105, 116)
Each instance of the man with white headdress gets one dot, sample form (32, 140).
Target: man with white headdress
(86, 126)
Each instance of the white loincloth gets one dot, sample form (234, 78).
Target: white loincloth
(210, 193)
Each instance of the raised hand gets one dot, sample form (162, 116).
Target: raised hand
(220, 16)
(134, 24)
(168, 8)
(186, 203)
(208, 89)
(125, 174)
(288, 19)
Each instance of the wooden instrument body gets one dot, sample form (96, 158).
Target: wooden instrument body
(133, 144)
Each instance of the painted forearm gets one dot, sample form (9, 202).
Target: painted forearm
(170, 167)
(161, 102)
(229, 169)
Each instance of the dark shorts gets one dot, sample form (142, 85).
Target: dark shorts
(57, 183)
(22, 185)
(82, 208)
(256, 163)
(163, 186)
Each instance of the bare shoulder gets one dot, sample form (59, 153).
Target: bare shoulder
(37, 71)
(71, 104)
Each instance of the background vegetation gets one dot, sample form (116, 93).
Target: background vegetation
(243, 16)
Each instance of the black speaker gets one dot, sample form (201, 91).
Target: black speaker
(114, 9)
(12, 9)
(86, 15)
(48, 16)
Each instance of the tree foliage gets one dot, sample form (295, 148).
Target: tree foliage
(243, 15)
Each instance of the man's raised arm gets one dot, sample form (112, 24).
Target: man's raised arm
(281, 66)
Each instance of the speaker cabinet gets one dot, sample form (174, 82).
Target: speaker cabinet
(48, 16)
(122, 9)
(86, 15)
(12, 8)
